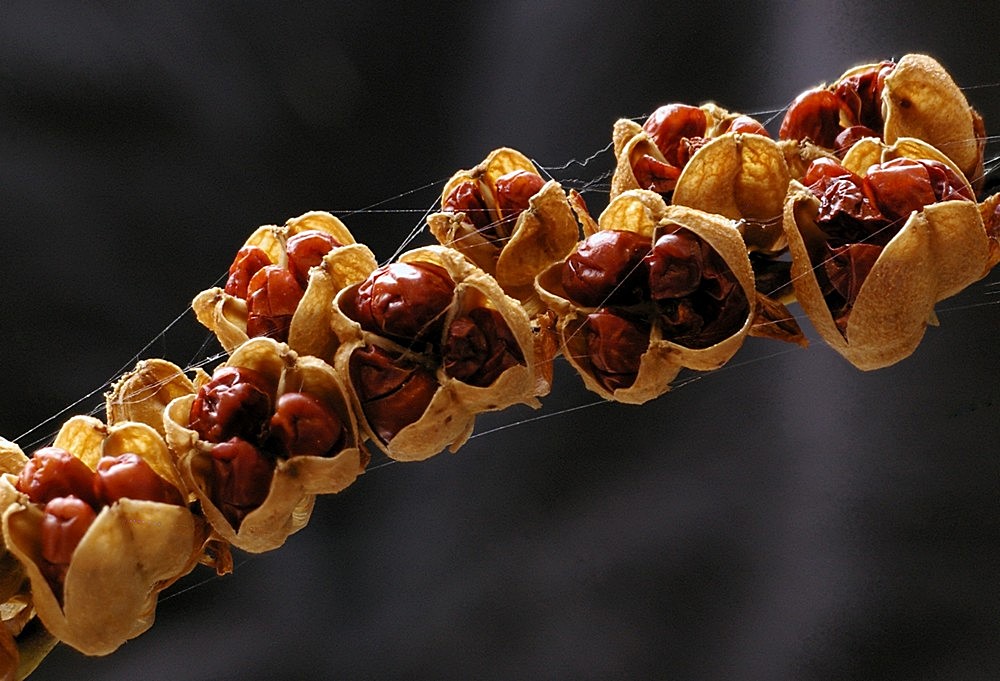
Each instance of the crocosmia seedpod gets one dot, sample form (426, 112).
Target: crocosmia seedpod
(99, 520)
(428, 342)
(656, 289)
(506, 218)
(260, 438)
(281, 283)
(877, 241)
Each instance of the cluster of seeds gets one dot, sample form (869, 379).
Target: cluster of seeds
(864, 211)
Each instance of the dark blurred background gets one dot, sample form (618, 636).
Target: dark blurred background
(785, 518)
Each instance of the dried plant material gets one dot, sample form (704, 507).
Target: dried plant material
(33, 643)
(989, 210)
(143, 394)
(912, 98)
(133, 548)
(272, 292)
(12, 458)
(255, 506)
(714, 161)
(430, 341)
(658, 288)
(23, 641)
(921, 100)
(876, 243)
(799, 154)
(508, 220)
(743, 177)
(653, 155)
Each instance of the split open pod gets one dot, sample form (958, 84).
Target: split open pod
(508, 220)
(101, 524)
(653, 155)
(24, 641)
(428, 342)
(912, 98)
(989, 209)
(261, 437)
(656, 289)
(281, 283)
(877, 241)
(726, 164)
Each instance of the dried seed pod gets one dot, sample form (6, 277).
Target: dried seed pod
(418, 386)
(144, 393)
(508, 220)
(989, 210)
(255, 488)
(281, 284)
(867, 280)
(921, 100)
(96, 587)
(912, 98)
(743, 177)
(695, 306)
(723, 163)
(24, 642)
(653, 155)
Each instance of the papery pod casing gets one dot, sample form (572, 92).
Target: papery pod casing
(12, 458)
(144, 393)
(449, 418)
(646, 213)
(989, 210)
(297, 480)
(917, 99)
(631, 141)
(920, 99)
(740, 175)
(226, 315)
(444, 423)
(539, 236)
(743, 177)
(131, 552)
(24, 642)
(939, 251)
(799, 154)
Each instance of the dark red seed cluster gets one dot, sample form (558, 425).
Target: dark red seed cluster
(679, 284)
(250, 431)
(272, 291)
(72, 495)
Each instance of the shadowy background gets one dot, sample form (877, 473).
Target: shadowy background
(785, 518)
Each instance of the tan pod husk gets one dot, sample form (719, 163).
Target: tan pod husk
(226, 315)
(540, 235)
(920, 99)
(629, 140)
(446, 423)
(133, 550)
(938, 252)
(989, 210)
(799, 154)
(449, 419)
(743, 177)
(144, 393)
(12, 458)
(296, 480)
(645, 212)
(24, 642)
